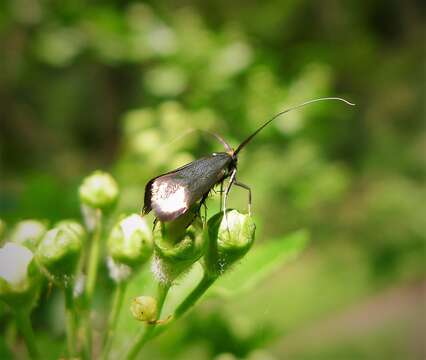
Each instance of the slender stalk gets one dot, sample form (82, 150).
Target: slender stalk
(147, 332)
(24, 324)
(119, 293)
(71, 319)
(188, 303)
(92, 272)
(194, 296)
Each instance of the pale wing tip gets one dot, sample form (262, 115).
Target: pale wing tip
(168, 216)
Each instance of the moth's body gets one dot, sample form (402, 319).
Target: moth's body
(171, 194)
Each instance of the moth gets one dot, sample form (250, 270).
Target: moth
(172, 194)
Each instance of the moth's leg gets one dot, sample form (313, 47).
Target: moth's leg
(225, 195)
(244, 186)
(154, 224)
(203, 202)
(221, 192)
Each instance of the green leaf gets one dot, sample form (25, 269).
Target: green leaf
(260, 262)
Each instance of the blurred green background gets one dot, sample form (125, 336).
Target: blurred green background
(116, 85)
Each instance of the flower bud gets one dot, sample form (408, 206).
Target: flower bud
(229, 238)
(130, 241)
(19, 275)
(144, 308)
(99, 190)
(174, 255)
(59, 250)
(28, 233)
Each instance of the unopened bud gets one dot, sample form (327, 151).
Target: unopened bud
(130, 241)
(144, 308)
(28, 233)
(171, 259)
(19, 275)
(59, 250)
(99, 191)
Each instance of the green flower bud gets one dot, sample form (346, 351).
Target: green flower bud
(28, 233)
(59, 250)
(19, 275)
(229, 240)
(174, 255)
(144, 308)
(130, 241)
(99, 191)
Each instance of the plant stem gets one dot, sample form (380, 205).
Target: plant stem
(189, 302)
(24, 324)
(146, 334)
(92, 272)
(93, 259)
(120, 290)
(71, 321)
(193, 297)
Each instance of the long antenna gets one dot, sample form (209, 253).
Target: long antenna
(190, 131)
(246, 141)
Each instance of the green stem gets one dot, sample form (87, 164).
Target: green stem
(92, 272)
(71, 321)
(188, 303)
(24, 324)
(120, 290)
(146, 334)
(194, 296)
(93, 260)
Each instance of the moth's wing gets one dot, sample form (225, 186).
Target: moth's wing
(172, 194)
(148, 206)
(168, 195)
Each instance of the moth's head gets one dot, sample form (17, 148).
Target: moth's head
(234, 159)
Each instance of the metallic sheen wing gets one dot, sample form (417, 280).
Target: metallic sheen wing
(172, 194)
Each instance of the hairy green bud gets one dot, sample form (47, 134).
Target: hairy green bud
(130, 241)
(144, 308)
(28, 233)
(174, 254)
(19, 275)
(99, 190)
(59, 250)
(229, 239)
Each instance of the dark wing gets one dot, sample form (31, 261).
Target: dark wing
(168, 196)
(172, 194)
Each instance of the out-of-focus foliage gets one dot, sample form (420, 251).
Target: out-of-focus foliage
(121, 85)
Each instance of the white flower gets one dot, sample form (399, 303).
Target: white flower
(14, 261)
